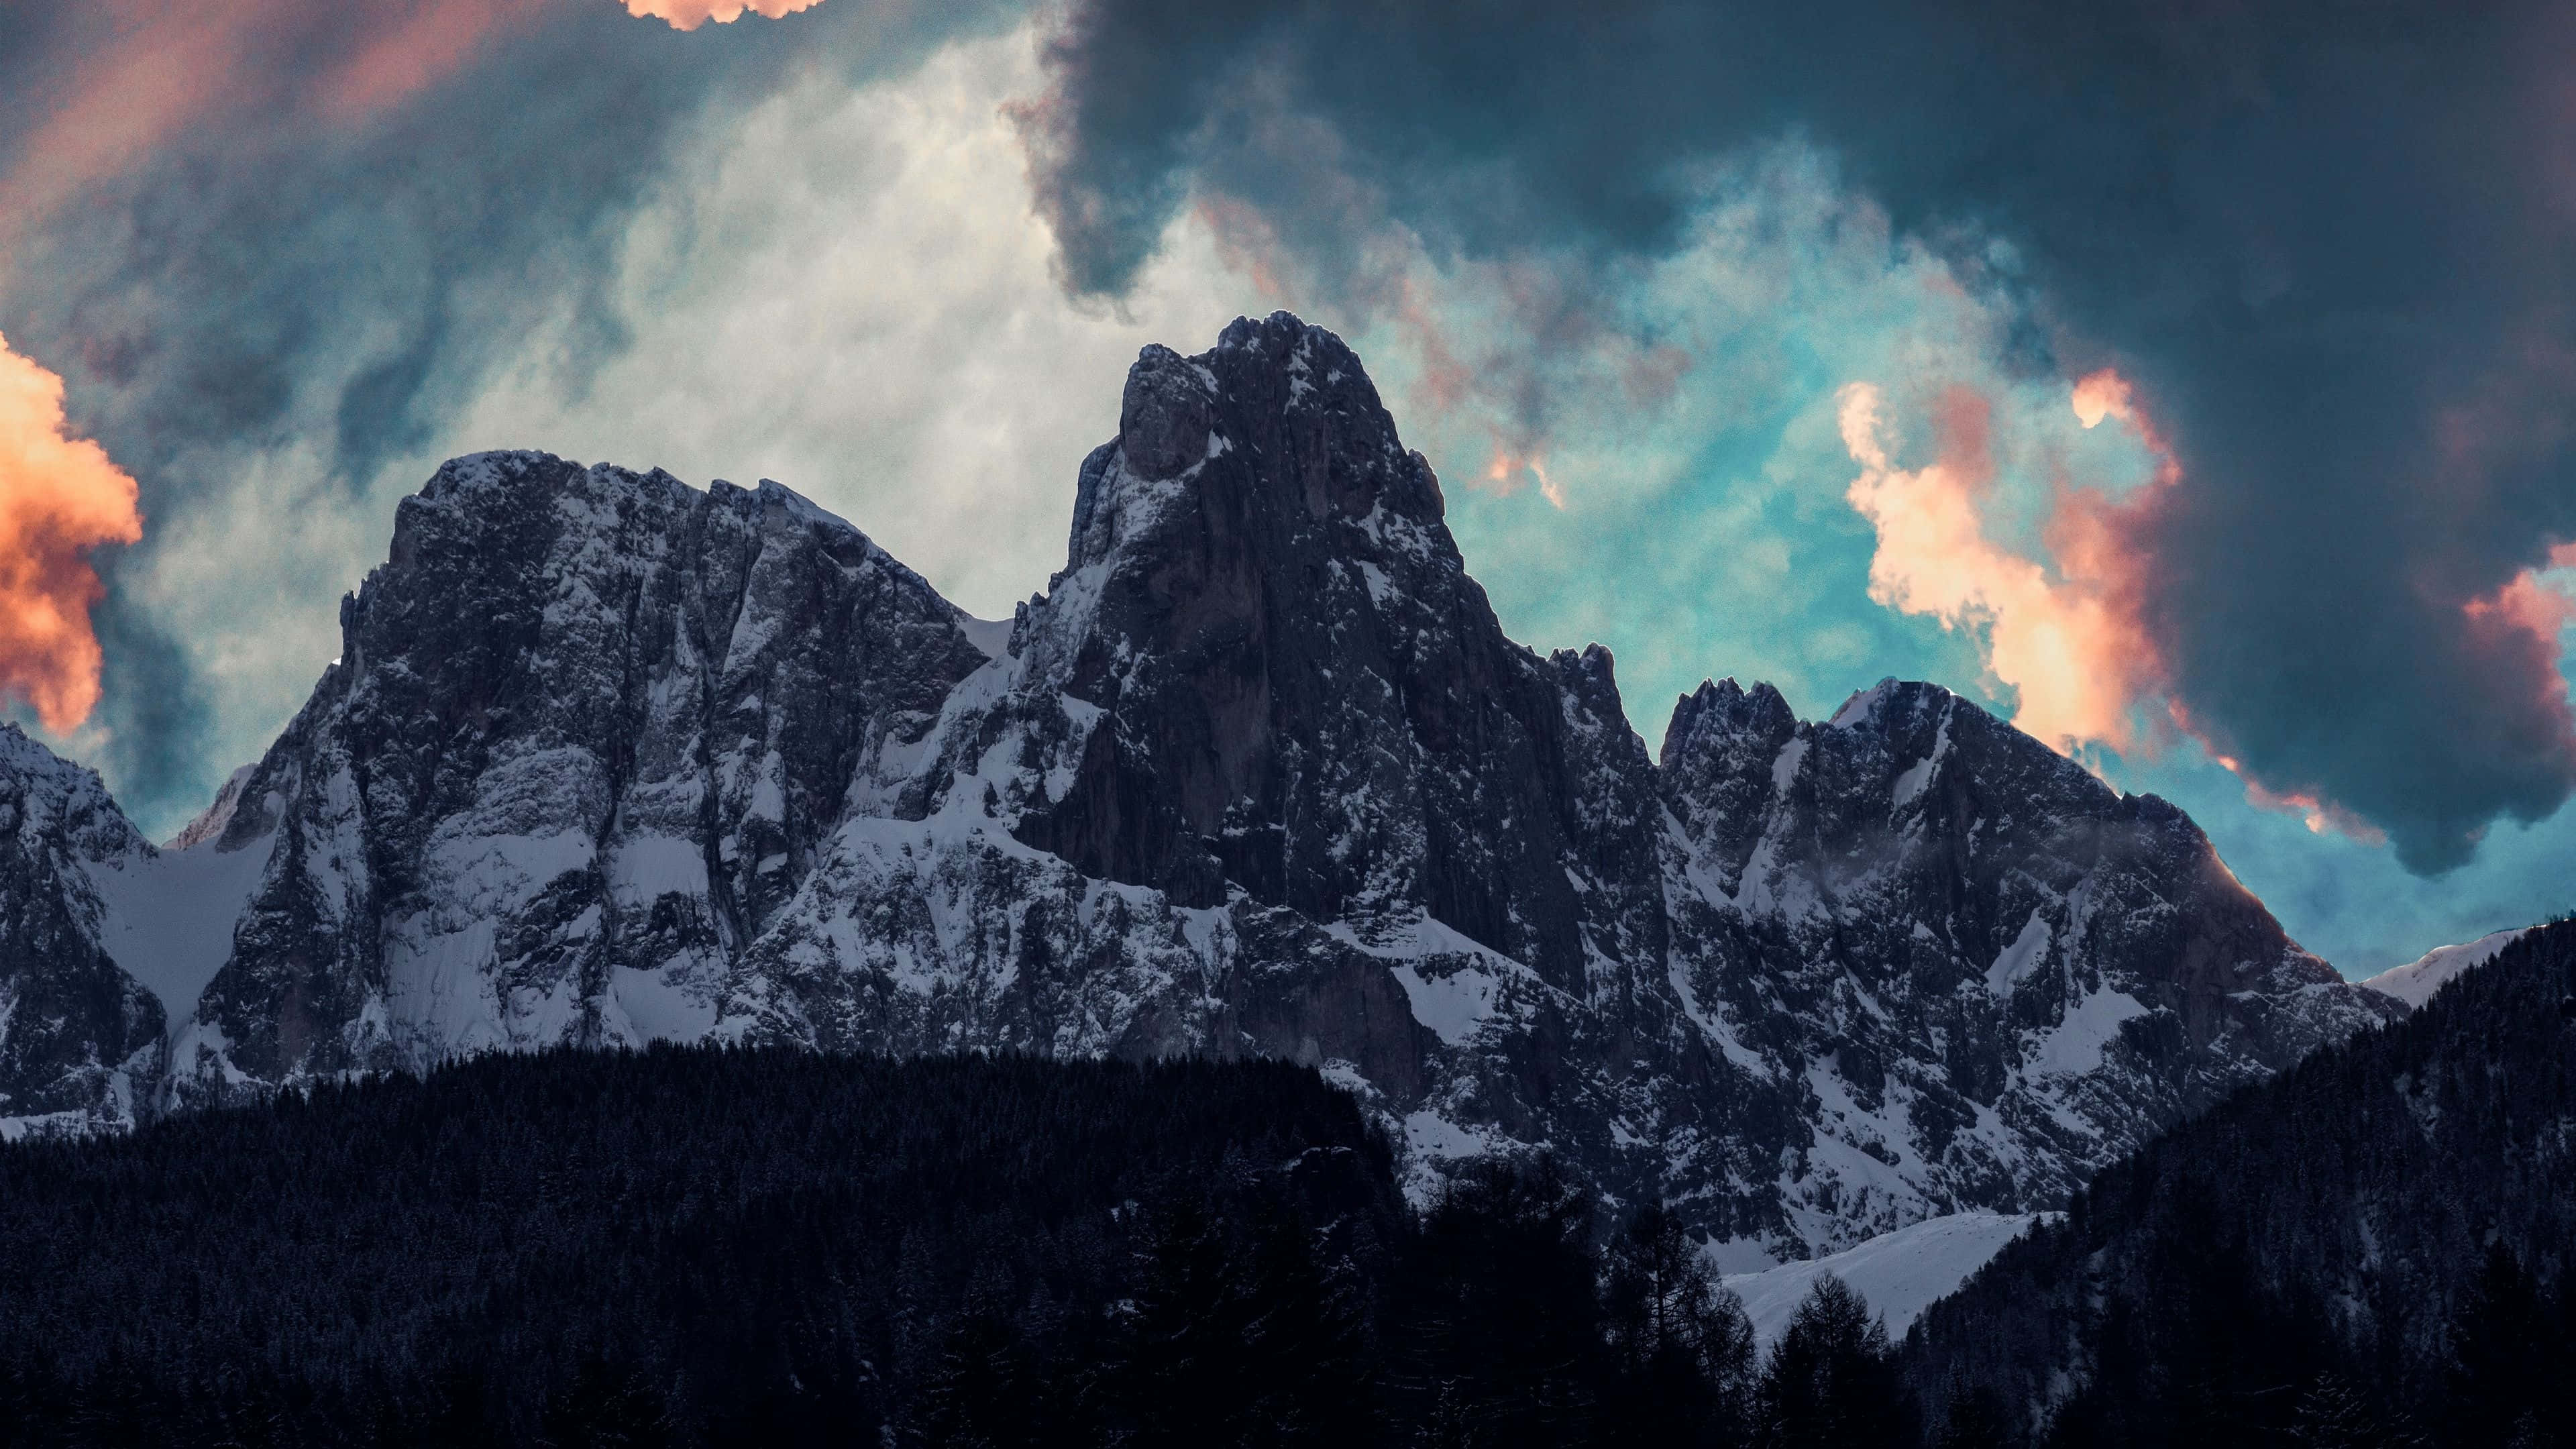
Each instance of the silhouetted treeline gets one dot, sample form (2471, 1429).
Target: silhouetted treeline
(702, 1246)
(2373, 1249)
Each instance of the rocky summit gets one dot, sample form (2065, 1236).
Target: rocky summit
(607, 759)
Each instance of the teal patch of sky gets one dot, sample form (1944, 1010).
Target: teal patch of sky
(2350, 901)
(1706, 534)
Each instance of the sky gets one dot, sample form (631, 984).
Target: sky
(2195, 385)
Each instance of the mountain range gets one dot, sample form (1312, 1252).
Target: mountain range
(607, 759)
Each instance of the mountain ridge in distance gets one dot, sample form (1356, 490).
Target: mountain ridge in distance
(2329, 1245)
(608, 759)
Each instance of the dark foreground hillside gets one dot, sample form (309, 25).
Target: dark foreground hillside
(715, 1247)
(2374, 1249)
(772, 1247)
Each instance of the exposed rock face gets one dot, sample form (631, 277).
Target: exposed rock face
(587, 732)
(75, 1030)
(608, 759)
(1309, 700)
(1990, 970)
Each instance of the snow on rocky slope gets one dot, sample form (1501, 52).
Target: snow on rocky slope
(608, 759)
(2415, 982)
(1900, 1273)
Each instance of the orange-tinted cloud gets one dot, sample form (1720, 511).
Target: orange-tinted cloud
(2525, 616)
(690, 14)
(2077, 658)
(60, 497)
(2319, 815)
(2072, 636)
(414, 50)
(1503, 474)
(2532, 601)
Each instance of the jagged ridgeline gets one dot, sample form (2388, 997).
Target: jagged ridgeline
(2373, 1249)
(608, 759)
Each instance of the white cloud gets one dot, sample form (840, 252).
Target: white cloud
(847, 292)
(844, 290)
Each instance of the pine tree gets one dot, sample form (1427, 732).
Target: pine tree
(2334, 1413)
(1684, 1346)
(1179, 1379)
(1831, 1382)
(2509, 1362)
(982, 1392)
(1503, 1336)
(605, 1408)
(1977, 1420)
(1307, 1344)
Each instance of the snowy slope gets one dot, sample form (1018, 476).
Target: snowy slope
(2415, 982)
(1900, 1273)
(168, 916)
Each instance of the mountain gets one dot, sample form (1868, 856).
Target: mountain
(2375, 1237)
(607, 759)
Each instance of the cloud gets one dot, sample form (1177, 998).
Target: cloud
(60, 498)
(2329, 241)
(2071, 634)
(130, 77)
(843, 289)
(2080, 664)
(270, 288)
(690, 14)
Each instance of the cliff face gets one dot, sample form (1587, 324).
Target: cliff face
(607, 759)
(1991, 972)
(77, 1033)
(587, 733)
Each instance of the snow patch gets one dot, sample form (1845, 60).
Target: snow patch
(1911, 783)
(169, 918)
(660, 1006)
(2415, 982)
(1900, 1273)
(1453, 1006)
(1457, 1001)
(2075, 1045)
(1784, 768)
(2015, 961)
(218, 815)
(992, 636)
(1857, 709)
(1432, 1136)
(44, 1124)
(644, 868)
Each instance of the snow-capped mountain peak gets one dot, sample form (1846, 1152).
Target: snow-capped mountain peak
(607, 759)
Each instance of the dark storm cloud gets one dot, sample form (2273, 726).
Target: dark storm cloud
(297, 222)
(2334, 245)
